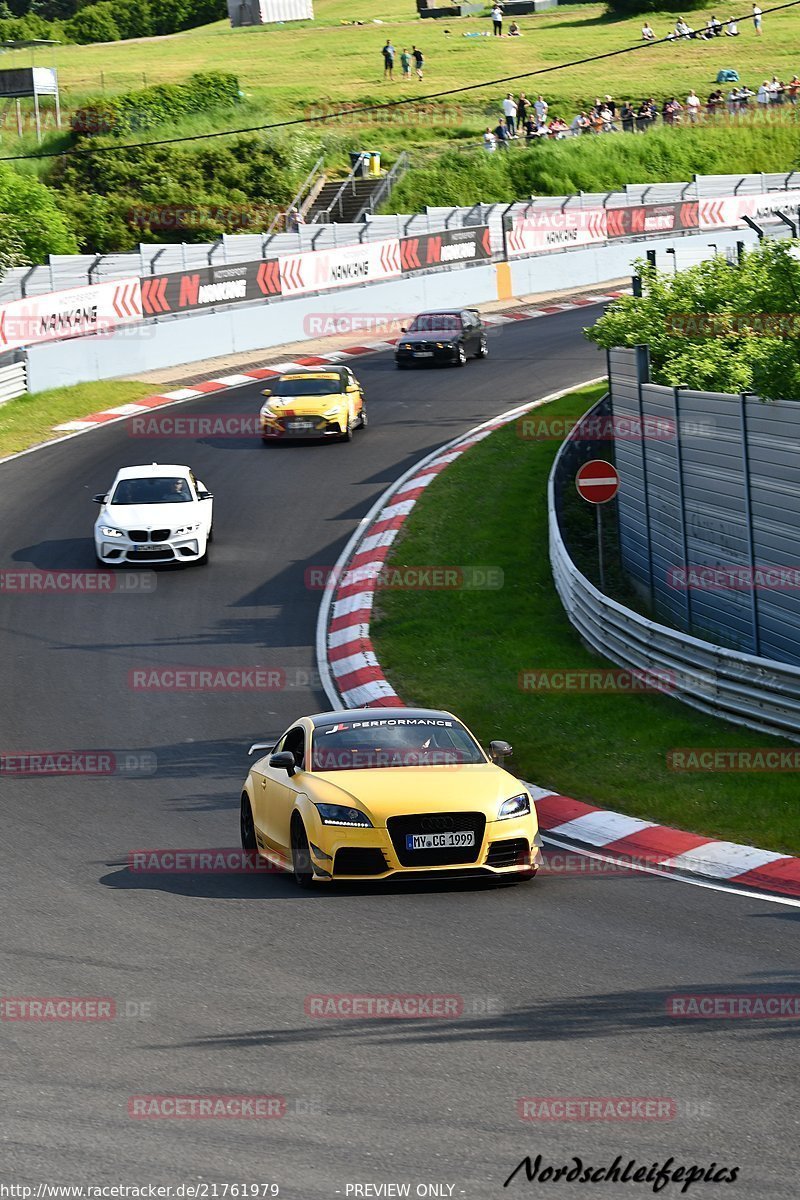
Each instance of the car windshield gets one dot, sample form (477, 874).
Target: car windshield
(426, 322)
(393, 742)
(152, 489)
(304, 386)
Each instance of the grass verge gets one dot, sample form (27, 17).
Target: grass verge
(464, 650)
(29, 420)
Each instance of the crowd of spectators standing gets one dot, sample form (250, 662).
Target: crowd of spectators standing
(532, 121)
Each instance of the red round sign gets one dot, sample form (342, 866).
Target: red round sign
(597, 481)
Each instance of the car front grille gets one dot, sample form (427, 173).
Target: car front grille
(164, 555)
(359, 860)
(514, 852)
(148, 535)
(399, 827)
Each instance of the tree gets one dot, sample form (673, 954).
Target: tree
(94, 24)
(36, 225)
(717, 326)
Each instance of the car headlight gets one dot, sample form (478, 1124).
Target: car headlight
(109, 531)
(184, 529)
(517, 806)
(331, 412)
(266, 411)
(405, 346)
(338, 814)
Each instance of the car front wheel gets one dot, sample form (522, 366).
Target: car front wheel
(483, 349)
(247, 827)
(461, 356)
(301, 854)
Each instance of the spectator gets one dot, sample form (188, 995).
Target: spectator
(510, 113)
(716, 26)
(419, 60)
(405, 63)
(611, 105)
(643, 117)
(672, 111)
(388, 60)
(501, 136)
(580, 124)
(523, 107)
(682, 30)
(294, 219)
(607, 117)
(558, 129)
(514, 30)
(777, 91)
(489, 141)
(714, 103)
(497, 20)
(731, 29)
(541, 106)
(692, 107)
(792, 88)
(627, 116)
(762, 96)
(757, 19)
(647, 33)
(708, 32)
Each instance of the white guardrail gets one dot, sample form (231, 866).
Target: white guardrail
(13, 381)
(760, 693)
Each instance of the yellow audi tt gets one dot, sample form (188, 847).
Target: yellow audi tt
(313, 404)
(379, 792)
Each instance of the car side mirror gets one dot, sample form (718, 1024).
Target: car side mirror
(267, 392)
(404, 329)
(202, 494)
(283, 762)
(99, 499)
(500, 749)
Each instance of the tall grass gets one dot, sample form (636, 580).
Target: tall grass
(597, 164)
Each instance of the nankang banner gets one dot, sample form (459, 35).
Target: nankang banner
(208, 287)
(473, 243)
(640, 220)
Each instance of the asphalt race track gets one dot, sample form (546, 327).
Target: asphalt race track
(565, 981)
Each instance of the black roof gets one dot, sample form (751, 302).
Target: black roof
(371, 714)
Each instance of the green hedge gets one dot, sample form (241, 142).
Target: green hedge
(132, 112)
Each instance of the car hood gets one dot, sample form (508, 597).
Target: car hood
(396, 791)
(305, 405)
(150, 516)
(433, 335)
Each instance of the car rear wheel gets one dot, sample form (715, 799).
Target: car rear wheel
(247, 827)
(461, 356)
(362, 422)
(301, 854)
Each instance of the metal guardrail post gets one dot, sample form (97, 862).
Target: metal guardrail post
(99, 258)
(749, 221)
(212, 251)
(787, 221)
(682, 503)
(748, 516)
(23, 285)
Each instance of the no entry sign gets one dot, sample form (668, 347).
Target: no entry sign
(597, 481)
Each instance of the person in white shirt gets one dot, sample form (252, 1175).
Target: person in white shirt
(489, 140)
(497, 20)
(647, 33)
(541, 106)
(731, 29)
(510, 114)
(757, 19)
(692, 106)
(762, 95)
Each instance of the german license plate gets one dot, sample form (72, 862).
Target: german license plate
(301, 424)
(440, 841)
(152, 546)
(423, 353)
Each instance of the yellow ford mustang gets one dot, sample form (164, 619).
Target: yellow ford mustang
(376, 792)
(313, 404)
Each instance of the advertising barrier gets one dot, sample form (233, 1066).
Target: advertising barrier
(545, 229)
(730, 211)
(98, 308)
(318, 270)
(638, 220)
(231, 283)
(473, 243)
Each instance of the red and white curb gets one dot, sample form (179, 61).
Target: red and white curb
(353, 678)
(179, 395)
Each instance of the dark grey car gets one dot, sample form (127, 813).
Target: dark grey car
(448, 336)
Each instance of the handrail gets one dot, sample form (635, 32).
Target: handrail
(392, 176)
(305, 186)
(324, 216)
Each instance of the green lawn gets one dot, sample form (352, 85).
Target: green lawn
(464, 650)
(290, 69)
(30, 419)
